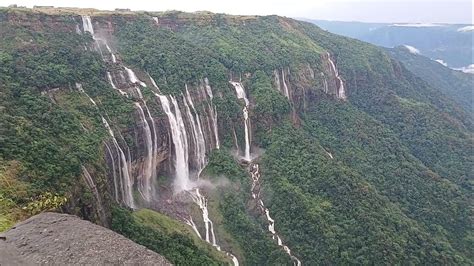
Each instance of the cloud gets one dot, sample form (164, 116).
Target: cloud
(412, 49)
(441, 62)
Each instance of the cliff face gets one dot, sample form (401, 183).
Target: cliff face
(173, 111)
(150, 147)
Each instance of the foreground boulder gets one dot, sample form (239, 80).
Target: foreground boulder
(53, 238)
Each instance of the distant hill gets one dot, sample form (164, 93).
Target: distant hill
(453, 83)
(451, 43)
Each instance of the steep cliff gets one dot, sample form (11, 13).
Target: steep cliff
(273, 141)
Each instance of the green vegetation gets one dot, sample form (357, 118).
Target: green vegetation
(238, 219)
(398, 189)
(176, 241)
(48, 129)
(452, 83)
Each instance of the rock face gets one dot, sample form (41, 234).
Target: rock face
(60, 239)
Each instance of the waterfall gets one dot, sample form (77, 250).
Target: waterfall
(179, 136)
(181, 159)
(277, 79)
(241, 95)
(111, 53)
(255, 174)
(145, 180)
(154, 83)
(341, 94)
(198, 136)
(87, 24)
(191, 223)
(285, 87)
(95, 191)
(109, 77)
(126, 177)
(209, 226)
(133, 78)
(112, 159)
(127, 182)
(155, 149)
(213, 112)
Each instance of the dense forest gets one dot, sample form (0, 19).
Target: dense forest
(383, 176)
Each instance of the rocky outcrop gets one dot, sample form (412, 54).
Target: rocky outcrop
(61, 239)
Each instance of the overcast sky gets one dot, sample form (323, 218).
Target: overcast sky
(433, 11)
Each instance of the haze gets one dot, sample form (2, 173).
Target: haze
(402, 11)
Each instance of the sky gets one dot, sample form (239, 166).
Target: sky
(387, 11)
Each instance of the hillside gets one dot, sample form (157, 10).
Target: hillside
(459, 86)
(258, 140)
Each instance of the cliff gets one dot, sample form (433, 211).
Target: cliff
(52, 238)
(269, 139)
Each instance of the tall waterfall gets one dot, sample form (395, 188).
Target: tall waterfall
(213, 112)
(241, 95)
(126, 176)
(145, 180)
(180, 141)
(341, 94)
(198, 136)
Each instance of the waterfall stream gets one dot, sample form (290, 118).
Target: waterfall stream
(133, 78)
(183, 182)
(180, 142)
(199, 141)
(91, 184)
(127, 181)
(255, 174)
(285, 87)
(126, 177)
(341, 94)
(145, 180)
(213, 112)
(87, 24)
(241, 95)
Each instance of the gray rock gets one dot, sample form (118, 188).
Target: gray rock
(53, 238)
